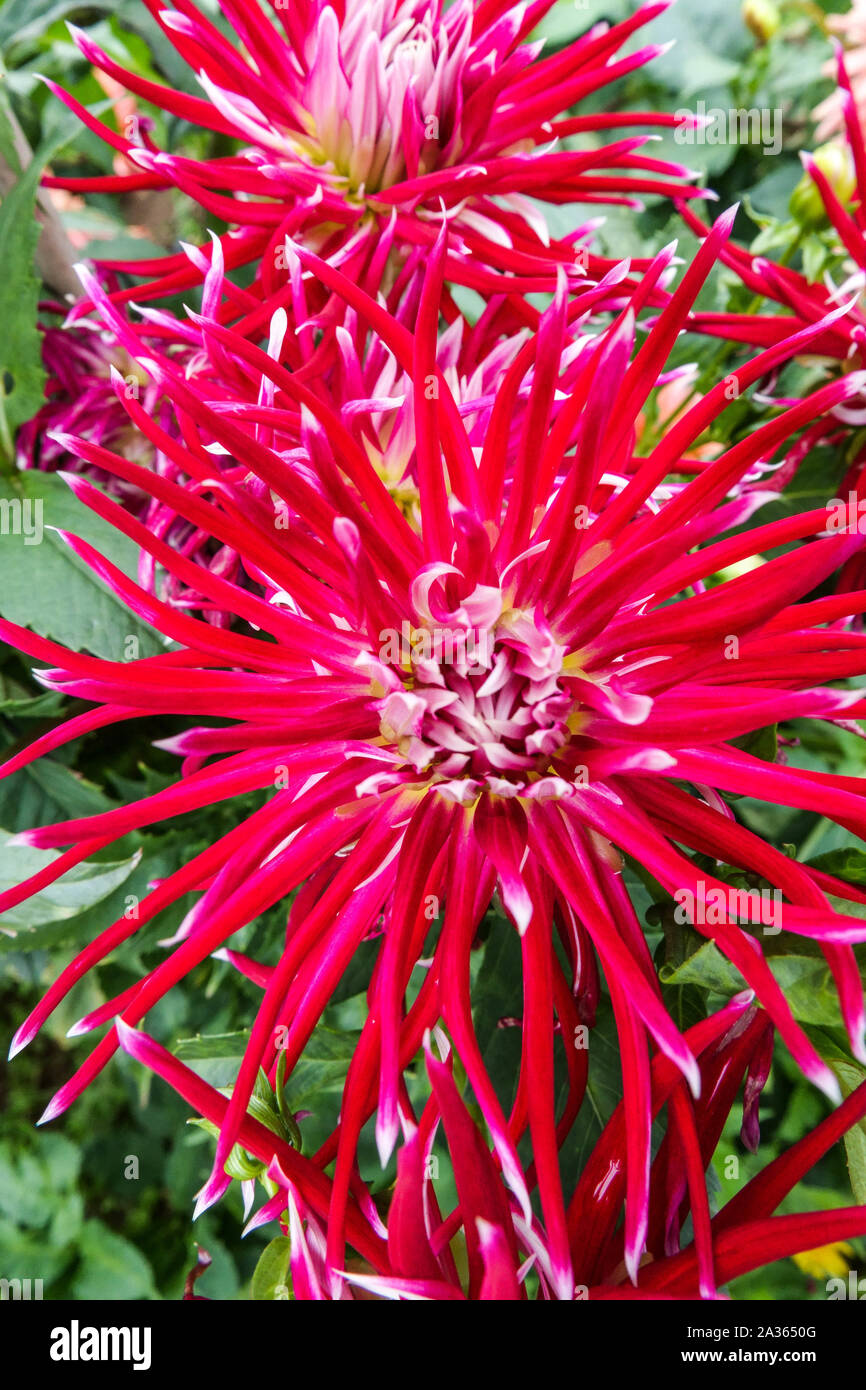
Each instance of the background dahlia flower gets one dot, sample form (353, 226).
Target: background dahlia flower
(90, 373)
(851, 28)
(545, 671)
(833, 190)
(355, 117)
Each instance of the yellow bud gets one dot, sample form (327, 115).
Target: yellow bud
(762, 17)
(835, 163)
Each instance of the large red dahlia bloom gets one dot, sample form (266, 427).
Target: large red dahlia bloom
(545, 672)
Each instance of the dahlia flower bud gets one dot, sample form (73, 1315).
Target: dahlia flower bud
(762, 17)
(834, 162)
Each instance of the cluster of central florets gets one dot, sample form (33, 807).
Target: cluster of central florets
(485, 704)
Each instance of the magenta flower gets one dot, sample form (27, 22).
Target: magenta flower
(93, 368)
(352, 371)
(78, 360)
(352, 117)
(536, 678)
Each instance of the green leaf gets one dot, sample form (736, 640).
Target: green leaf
(24, 1249)
(95, 917)
(30, 1182)
(849, 864)
(112, 1268)
(805, 980)
(812, 488)
(850, 1076)
(271, 1279)
(760, 743)
(708, 968)
(814, 258)
(711, 43)
(22, 376)
(67, 790)
(21, 1198)
(21, 21)
(80, 888)
(67, 1220)
(322, 1068)
(44, 586)
(19, 704)
(215, 1057)
(46, 791)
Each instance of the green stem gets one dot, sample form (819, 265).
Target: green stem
(727, 350)
(7, 448)
(815, 13)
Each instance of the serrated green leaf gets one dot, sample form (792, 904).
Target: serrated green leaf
(46, 791)
(708, 968)
(93, 919)
(849, 864)
(44, 586)
(82, 887)
(22, 375)
(805, 980)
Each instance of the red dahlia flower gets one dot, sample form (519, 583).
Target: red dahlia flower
(353, 116)
(338, 361)
(544, 674)
(835, 181)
